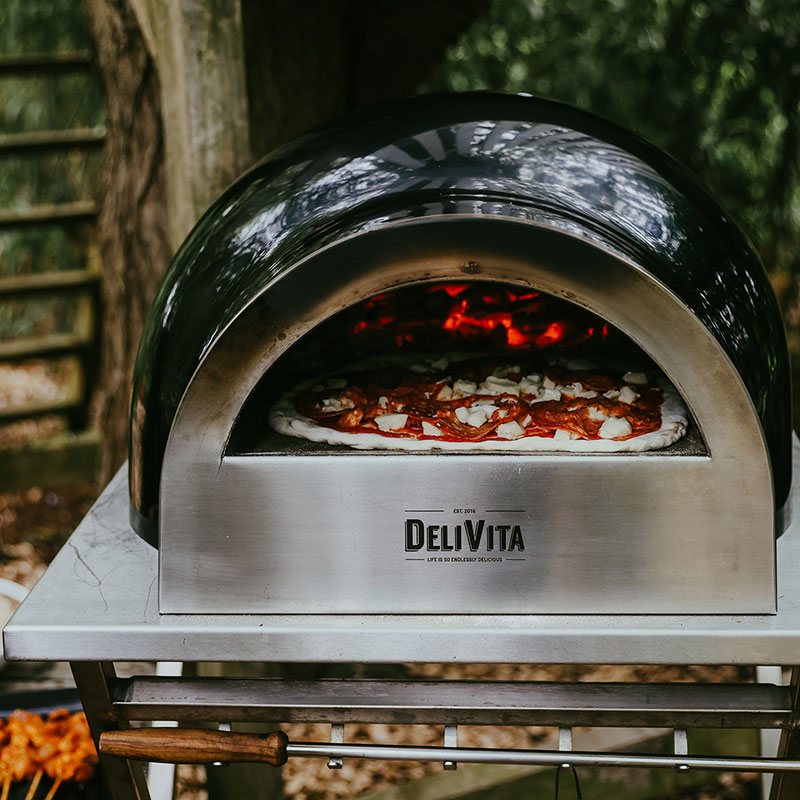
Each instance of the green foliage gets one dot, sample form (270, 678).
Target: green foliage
(42, 26)
(44, 248)
(58, 176)
(24, 318)
(716, 84)
(50, 101)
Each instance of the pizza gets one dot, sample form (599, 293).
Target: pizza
(490, 402)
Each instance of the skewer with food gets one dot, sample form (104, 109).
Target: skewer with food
(60, 747)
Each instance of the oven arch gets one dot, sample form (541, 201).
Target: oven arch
(488, 248)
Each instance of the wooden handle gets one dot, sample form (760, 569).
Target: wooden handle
(194, 746)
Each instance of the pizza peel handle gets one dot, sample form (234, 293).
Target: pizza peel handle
(194, 746)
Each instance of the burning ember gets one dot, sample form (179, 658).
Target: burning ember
(475, 312)
(473, 317)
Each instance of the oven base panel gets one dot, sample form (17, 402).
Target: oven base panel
(379, 533)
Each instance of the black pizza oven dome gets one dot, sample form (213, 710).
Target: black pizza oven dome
(473, 181)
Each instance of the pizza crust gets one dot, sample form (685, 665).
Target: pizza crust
(285, 419)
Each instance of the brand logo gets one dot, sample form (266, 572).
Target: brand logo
(472, 535)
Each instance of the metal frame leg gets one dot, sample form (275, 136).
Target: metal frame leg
(769, 738)
(95, 682)
(786, 786)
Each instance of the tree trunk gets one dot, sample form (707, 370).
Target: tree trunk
(132, 229)
(198, 53)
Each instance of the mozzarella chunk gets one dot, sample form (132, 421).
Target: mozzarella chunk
(627, 395)
(391, 422)
(509, 430)
(331, 404)
(336, 383)
(597, 414)
(462, 388)
(548, 394)
(493, 385)
(487, 408)
(445, 393)
(611, 394)
(383, 401)
(462, 413)
(525, 421)
(527, 386)
(561, 435)
(614, 428)
(440, 364)
(534, 377)
(548, 384)
(634, 377)
(575, 389)
(430, 430)
(477, 416)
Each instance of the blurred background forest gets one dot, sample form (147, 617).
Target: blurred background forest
(716, 84)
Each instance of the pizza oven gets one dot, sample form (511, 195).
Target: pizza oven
(436, 228)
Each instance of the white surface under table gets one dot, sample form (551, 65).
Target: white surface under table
(98, 601)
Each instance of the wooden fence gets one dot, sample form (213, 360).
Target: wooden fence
(70, 456)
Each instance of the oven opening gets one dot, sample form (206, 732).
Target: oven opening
(505, 350)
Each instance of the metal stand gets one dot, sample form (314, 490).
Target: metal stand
(96, 685)
(112, 703)
(785, 786)
(97, 604)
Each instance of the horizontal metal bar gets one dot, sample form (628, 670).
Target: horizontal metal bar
(547, 758)
(44, 62)
(48, 281)
(457, 702)
(63, 212)
(12, 143)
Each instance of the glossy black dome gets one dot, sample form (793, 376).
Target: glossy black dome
(508, 156)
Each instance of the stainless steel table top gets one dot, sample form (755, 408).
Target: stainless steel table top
(98, 602)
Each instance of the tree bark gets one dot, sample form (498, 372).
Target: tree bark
(199, 57)
(132, 229)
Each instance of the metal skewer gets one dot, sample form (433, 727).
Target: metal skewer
(184, 745)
